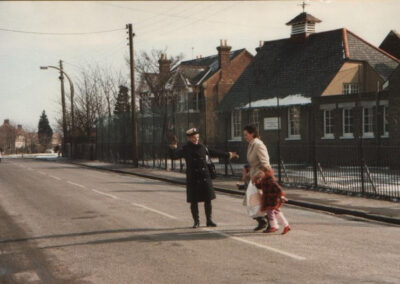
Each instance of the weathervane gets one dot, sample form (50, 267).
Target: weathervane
(303, 5)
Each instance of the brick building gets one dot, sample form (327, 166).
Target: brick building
(328, 87)
(202, 84)
(7, 137)
(194, 87)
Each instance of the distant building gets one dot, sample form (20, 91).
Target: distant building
(20, 139)
(7, 137)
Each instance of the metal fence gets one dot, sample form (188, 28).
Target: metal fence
(359, 168)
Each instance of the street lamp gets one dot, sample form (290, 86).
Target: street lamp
(71, 85)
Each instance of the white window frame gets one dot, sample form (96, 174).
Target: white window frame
(351, 88)
(255, 118)
(384, 122)
(328, 135)
(193, 99)
(236, 123)
(347, 135)
(182, 102)
(292, 136)
(370, 132)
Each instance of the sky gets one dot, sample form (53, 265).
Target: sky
(188, 27)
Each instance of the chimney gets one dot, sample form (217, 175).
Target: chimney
(303, 26)
(19, 127)
(224, 54)
(6, 122)
(164, 65)
(260, 45)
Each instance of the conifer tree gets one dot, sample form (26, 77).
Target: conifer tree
(45, 133)
(122, 104)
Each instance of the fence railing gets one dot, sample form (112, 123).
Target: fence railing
(365, 169)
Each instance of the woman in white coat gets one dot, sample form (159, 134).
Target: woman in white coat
(258, 159)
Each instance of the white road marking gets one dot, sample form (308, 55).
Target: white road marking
(42, 173)
(57, 178)
(105, 194)
(291, 255)
(153, 210)
(76, 184)
(26, 277)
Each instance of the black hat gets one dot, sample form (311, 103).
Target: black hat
(192, 131)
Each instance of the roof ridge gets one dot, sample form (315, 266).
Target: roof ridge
(395, 33)
(313, 34)
(345, 44)
(210, 56)
(373, 46)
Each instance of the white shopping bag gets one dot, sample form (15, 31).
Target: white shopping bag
(253, 201)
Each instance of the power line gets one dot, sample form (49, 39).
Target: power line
(59, 34)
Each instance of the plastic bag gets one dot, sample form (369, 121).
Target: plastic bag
(253, 201)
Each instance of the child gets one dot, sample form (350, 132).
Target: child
(273, 198)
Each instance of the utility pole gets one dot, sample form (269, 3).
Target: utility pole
(133, 98)
(63, 108)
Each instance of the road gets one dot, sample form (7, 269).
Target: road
(61, 223)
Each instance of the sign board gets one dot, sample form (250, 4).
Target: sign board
(271, 123)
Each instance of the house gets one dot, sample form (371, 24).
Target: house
(391, 44)
(20, 139)
(195, 88)
(202, 84)
(7, 137)
(313, 87)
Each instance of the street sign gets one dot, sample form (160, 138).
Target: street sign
(271, 123)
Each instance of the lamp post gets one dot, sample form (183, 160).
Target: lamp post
(71, 85)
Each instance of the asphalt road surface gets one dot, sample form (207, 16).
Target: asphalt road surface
(61, 223)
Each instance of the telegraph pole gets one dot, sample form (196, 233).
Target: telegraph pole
(133, 98)
(64, 122)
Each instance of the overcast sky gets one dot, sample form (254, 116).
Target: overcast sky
(25, 90)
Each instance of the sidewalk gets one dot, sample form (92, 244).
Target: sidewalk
(379, 210)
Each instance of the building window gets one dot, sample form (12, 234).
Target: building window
(294, 122)
(255, 118)
(368, 122)
(182, 102)
(350, 88)
(348, 123)
(236, 125)
(328, 124)
(385, 121)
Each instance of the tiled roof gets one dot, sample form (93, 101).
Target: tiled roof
(200, 69)
(303, 18)
(391, 44)
(283, 67)
(380, 60)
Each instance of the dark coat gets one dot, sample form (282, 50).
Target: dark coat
(199, 186)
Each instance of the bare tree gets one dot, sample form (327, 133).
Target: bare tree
(156, 73)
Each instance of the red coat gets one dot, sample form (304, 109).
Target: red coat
(273, 196)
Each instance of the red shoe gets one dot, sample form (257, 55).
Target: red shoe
(270, 230)
(286, 230)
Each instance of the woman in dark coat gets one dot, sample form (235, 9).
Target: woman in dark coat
(199, 186)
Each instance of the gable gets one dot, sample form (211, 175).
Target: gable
(380, 60)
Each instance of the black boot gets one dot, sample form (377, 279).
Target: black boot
(261, 223)
(208, 210)
(195, 214)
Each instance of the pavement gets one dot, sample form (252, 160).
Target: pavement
(369, 208)
(66, 223)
